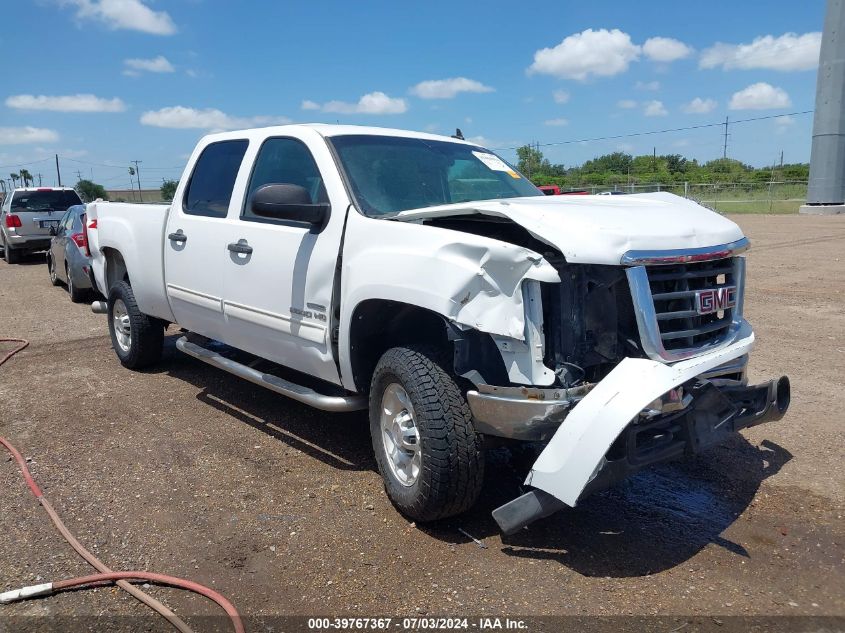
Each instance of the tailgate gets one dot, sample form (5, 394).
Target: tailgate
(35, 223)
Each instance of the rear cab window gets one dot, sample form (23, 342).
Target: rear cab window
(44, 200)
(209, 190)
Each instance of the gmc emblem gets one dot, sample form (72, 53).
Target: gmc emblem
(715, 299)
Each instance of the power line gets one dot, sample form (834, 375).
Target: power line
(652, 132)
(32, 162)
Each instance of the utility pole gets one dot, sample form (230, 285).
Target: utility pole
(39, 179)
(138, 176)
(725, 150)
(826, 190)
(58, 173)
(78, 175)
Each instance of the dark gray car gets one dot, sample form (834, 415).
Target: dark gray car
(66, 258)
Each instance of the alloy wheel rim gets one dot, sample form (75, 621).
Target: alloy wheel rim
(122, 325)
(400, 437)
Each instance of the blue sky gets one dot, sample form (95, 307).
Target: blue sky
(103, 82)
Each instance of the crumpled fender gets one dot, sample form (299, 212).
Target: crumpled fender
(471, 280)
(575, 452)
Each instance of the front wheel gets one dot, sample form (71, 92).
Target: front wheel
(137, 338)
(427, 450)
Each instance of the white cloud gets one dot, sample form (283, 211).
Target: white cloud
(66, 103)
(760, 96)
(307, 104)
(654, 108)
(560, 96)
(783, 123)
(647, 85)
(789, 51)
(447, 88)
(372, 103)
(626, 104)
(665, 49)
(158, 64)
(699, 106)
(207, 119)
(601, 53)
(132, 15)
(625, 147)
(27, 134)
(557, 122)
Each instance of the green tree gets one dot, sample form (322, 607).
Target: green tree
(26, 177)
(15, 178)
(531, 161)
(90, 191)
(168, 189)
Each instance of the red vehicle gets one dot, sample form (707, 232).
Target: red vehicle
(554, 190)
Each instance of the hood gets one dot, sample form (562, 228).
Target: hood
(601, 229)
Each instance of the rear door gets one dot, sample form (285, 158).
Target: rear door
(40, 209)
(278, 296)
(196, 236)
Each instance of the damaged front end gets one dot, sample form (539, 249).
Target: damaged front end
(650, 363)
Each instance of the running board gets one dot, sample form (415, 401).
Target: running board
(273, 383)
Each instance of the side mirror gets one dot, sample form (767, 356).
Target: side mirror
(53, 230)
(290, 202)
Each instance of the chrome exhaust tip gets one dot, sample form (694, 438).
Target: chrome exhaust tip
(99, 307)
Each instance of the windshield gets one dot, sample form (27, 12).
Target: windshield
(57, 200)
(392, 174)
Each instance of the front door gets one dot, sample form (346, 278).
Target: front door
(280, 274)
(195, 239)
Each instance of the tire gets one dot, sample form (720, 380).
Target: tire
(77, 295)
(51, 267)
(11, 255)
(439, 443)
(143, 345)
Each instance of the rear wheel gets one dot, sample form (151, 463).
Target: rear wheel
(76, 294)
(426, 447)
(137, 338)
(11, 255)
(51, 266)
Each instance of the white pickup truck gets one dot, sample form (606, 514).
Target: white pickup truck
(423, 278)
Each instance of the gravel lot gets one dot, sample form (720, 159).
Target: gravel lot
(188, 471)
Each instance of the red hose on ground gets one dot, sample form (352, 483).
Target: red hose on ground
(160, 579)
(122, 577)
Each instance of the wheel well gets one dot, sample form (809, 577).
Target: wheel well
(115, 268)
(378, 325)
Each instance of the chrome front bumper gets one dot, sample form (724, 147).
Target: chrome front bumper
(534, 414)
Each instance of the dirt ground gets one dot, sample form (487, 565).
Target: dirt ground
(188, 471)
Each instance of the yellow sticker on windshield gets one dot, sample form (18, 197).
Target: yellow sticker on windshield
(513, 174)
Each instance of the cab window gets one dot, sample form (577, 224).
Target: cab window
(210, 187)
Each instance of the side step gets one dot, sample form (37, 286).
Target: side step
(273, 383)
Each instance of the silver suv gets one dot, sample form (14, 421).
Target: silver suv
(28, 214)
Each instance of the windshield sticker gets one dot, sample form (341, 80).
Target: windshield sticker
(493, 162)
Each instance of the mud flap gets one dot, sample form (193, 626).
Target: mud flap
(575, 453)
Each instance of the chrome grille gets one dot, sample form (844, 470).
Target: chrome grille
(664, 296)
(673, 290)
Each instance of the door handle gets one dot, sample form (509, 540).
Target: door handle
(178, 236)
(240, 247)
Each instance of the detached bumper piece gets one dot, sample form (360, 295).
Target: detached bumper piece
(713, 414)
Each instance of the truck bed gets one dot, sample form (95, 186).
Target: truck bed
(137, 232)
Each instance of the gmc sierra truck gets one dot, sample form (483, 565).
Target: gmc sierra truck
(424, 279)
